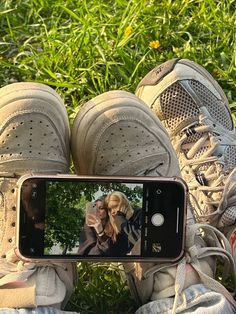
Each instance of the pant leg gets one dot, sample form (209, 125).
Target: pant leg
(196, 299)
(38, 310)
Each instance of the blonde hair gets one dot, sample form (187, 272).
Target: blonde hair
(123, 206)
(108, 226)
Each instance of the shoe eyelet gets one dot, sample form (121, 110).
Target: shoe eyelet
(13, 224)
(10, 240)
(13, 208)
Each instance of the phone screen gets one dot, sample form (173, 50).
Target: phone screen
(110, 218)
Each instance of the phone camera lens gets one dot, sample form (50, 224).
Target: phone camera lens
(34, 194)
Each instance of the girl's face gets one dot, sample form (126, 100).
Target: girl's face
(113, 206)
(101, 211)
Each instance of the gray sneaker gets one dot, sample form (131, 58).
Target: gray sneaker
(34, 130)
(34, 136)
(117, 134)
(196, 114)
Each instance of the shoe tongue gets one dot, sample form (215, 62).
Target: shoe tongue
(201, 170)
(192, 138)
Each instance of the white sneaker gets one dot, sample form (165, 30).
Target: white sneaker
(34, 130)
(116, 133)
(34, 136)
(195, 112)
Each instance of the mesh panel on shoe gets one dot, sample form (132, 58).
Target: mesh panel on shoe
(230, 156)
(169, 102)
(216, 108)
(229, 217)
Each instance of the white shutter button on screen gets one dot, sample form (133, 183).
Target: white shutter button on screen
(157, 220)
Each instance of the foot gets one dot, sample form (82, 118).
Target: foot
(115, 133)
(34, 137)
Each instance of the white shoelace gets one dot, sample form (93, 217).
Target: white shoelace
(217, 193)
(194, 255)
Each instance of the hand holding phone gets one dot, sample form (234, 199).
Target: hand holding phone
(95, 222)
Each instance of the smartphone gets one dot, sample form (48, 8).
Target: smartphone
(147, 222)
(90, 211)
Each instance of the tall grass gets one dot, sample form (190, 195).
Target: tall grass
(84, 48)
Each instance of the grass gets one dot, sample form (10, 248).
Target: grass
(84, 48)
(100, 290)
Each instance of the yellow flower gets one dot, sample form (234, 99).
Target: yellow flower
(128, 31)
(154, 44)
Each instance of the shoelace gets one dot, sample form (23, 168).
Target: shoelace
(213, 185)
(193, 257)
